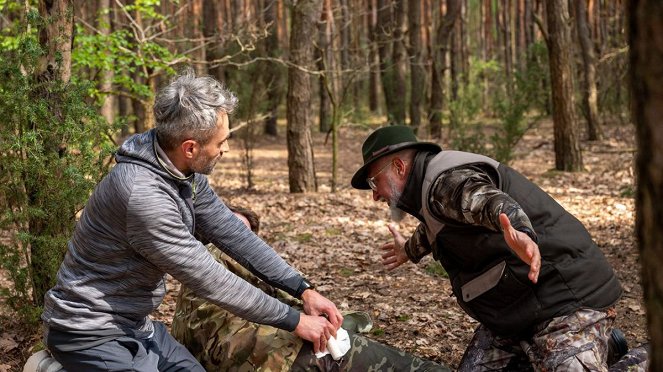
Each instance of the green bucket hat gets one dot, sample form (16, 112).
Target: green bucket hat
(384, 141)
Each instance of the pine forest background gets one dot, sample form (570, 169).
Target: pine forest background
(568, 92)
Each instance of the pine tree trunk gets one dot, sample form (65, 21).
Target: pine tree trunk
(399, 58)
(274, 75)
(568, 156)
(104, 25)
(56, 38)
(440, 48)
(325, 65)
(417, 71)
(212, 29)
(373, 58)
(646, 57)
(198, 46)
(589, 88)
(301, 167)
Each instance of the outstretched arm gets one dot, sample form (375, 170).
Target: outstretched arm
(526, 249)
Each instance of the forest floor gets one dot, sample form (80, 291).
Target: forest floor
(334, 239)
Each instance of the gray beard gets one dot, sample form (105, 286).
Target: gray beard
(397, 214)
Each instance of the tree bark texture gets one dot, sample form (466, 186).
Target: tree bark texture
(440, 47)
(301, 169)
(393, 83)
(417, 71)
(104, 25)
(325, 61)
(275, 82)
(589, 87)
(373, 58)
(568, 156)
(213, 31)
(646, 57)
(56, 37)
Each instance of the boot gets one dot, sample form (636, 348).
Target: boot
(617, 346)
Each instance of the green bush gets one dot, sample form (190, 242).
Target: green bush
(492, 123)
(54, 150)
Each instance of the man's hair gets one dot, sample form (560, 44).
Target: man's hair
(188, 109)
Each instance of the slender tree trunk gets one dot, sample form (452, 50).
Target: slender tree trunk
(213, 31)
(373, 58)
(104, 25)
(325, 65)
(301, 166)
(440, 48)
(568, 156)
(506, 38)
(646, 57)
(196, 34)
(417, 71)
(400, 64)
(275, 82)
(589, 88)
(56, 38)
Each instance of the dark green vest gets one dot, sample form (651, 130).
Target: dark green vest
(490, 282)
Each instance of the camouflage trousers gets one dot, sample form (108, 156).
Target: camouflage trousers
(222, 341)
(575, 342)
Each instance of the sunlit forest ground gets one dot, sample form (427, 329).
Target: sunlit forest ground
(334, 238)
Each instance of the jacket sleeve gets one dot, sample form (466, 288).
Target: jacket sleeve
(217, 224)
(417, 246)
(469, 195)
(156, 231)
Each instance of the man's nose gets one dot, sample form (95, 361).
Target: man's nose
(225, 147)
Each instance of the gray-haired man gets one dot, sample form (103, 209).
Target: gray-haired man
(150, 216)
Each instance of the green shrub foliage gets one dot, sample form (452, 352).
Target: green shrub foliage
(55, 148)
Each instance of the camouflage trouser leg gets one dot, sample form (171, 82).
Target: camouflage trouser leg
(636, 360)
(364, 355)
(575, 342)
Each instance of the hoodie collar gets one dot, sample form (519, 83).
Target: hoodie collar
(166, 164)
(410, 200)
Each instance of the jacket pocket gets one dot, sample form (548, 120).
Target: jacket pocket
(499, 299)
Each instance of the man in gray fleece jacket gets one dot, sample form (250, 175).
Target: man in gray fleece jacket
(152, 215)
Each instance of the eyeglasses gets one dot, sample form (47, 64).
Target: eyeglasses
(371, 180)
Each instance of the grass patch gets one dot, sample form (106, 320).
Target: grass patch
(304, 238)
(403, 318)
(627, 192)
(378, 332)
(344, 271)
(333, 231)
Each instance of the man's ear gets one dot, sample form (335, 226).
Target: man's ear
(189, 149)
(400, 166)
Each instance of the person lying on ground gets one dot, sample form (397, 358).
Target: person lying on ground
(222, 341)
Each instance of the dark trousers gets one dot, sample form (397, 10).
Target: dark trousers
(161, 352)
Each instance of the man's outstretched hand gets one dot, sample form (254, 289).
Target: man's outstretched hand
(526, 249)
(394, 253)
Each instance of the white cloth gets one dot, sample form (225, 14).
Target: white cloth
(338, 346)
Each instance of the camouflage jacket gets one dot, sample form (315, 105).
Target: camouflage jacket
(466, 195)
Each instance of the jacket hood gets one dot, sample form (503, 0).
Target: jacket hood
(141, 149)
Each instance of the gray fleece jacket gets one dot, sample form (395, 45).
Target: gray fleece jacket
(143, 221)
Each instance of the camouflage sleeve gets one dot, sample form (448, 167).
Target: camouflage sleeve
(417, 246)
(469, 195)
